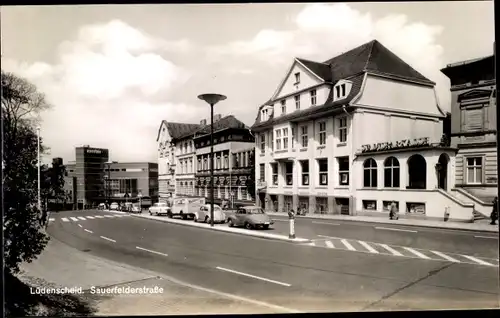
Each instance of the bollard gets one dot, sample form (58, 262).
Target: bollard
(291, 216)
(446, 214)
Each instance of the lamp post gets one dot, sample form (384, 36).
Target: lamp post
(108, 184)
(39, 167)
(212, 99)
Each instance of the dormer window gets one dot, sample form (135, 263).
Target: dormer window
(313, 97)
(297, 78)
(283, 107)
(342, 89)
(266, 112)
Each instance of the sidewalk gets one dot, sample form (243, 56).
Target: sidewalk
(221, 227)
(60, 265)
(481, 226)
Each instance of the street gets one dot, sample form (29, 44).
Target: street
(299, 277)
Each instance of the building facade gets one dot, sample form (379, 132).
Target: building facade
(91, 179)
(474, 128)
(351, 134)
(233, 145)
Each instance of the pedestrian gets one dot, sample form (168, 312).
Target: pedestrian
(393, 211)
(494, 212)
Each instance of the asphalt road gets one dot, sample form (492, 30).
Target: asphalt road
(293, 276)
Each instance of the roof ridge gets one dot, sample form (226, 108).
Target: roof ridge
(372, 42)
(307, 60)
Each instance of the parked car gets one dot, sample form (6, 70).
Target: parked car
(126, 207)
(160, 209)
(135, 209)
(203, 214)
(250, 217)
(114, 206)
(101, 206)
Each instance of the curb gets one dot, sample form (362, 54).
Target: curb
(395, 223)
(274, 237)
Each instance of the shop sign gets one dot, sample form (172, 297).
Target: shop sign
(401, 144)
(94, 151)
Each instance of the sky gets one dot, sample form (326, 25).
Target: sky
(112, 73)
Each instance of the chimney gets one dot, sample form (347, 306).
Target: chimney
(203, 122)
(217, 117)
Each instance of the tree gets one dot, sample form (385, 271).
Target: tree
(52, 184)
(251, 179)
(23, 234)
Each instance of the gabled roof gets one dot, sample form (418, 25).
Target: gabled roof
(228, 122)
(320, 69)
(178, 130)
(371, 57)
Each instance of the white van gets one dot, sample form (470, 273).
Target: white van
(185, 207)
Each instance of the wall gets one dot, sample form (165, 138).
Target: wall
(306, 80)
(391, 94)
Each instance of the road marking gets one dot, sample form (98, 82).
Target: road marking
(329, 244)
(391, 229)
(82, 218)
(109, 216)
(348, 245)
(107, 238)
(325, 223)
(368, 247)
(154, 252)
(390, 249)
(487, 237)
(253, 276)
(65, 219)
(79, 225)
(99, 216)
(417, 253)
(73, 219)
(280, 220)
(477, 260)
(119, 216)
(451, 259)
(88, 231)
(90, 217)
(52, 220)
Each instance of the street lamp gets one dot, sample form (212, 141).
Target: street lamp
(212, 99)
(39, 167)
(108, 183)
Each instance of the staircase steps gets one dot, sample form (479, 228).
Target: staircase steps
(478, 216)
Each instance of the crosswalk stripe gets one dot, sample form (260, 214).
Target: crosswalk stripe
(368, 247)
(390, 249)
(99, 216)
(90, 217)
(417, 253)
(73, 219)
(52, 220)
(451, 259)
(119, 216)
(477, 260)
(348, 245)
(329, 244)
(65, 219)
(109, 216)
(81, 218)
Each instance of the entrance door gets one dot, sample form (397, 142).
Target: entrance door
(442, 171)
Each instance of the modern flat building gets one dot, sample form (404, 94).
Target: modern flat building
(234, 146)
(474, 129)
(91, 179)
(352, 134)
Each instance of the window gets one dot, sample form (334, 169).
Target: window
(226, 161)
(391, 173)
(297, 101)
(218, 162)
(304, 137)
(474, 170)
(262, 143)
(283, 107)
(370, 173)
(289, 173)
(274, 168)
(297, 78)
(343, 170)
(285, 138)
(340, 90)
(278, 139)
(305, 172)
(343, 129)
(205, 164)
(313, 97)
(323, 171)
(293, 138)
(271, 140)
(262, 172)
(322, 133)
